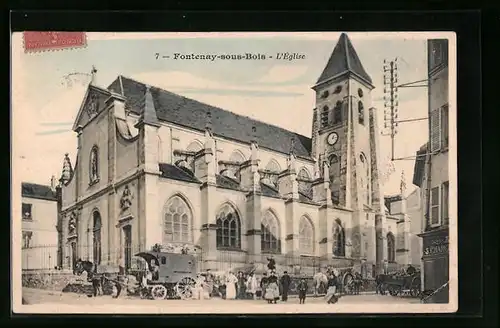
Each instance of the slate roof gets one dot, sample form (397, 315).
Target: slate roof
(190, 113)
(33, 190)
(176, 173)
(226, 182)
(269, 191)
(343, 59)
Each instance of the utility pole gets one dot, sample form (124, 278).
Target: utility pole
(391, 101)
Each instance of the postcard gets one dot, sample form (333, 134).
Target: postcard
(234, 172)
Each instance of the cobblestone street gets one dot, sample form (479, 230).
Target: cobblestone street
(44, 297)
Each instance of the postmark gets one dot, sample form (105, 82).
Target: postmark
(50, 41)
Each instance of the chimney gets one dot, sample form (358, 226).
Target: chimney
(53, 183)
(249, 170)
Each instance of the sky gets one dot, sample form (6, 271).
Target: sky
(48, 87)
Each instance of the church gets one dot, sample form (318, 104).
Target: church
(157, 168)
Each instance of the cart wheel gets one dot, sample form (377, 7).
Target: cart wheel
(184, 288)
(159, 292)
(415, 287)
(347, 282)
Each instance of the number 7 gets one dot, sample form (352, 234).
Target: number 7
(157, 55)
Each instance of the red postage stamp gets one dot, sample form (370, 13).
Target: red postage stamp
(46, 41)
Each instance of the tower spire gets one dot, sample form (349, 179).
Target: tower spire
(148, 110)
(344, 59)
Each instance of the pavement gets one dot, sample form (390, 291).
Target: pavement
(79, 303)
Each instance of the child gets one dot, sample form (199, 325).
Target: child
(302, 291)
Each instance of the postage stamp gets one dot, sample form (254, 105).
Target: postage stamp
(234, 173)
(45, 41)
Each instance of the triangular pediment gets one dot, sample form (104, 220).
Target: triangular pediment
(94, 101)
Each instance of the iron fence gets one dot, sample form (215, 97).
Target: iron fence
(45, 257)
(42, 257)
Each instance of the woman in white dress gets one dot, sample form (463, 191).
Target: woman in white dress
(252, 285)
(231, 281)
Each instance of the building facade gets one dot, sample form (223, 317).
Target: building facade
(154, 167)
(431, 174)
(404, 216)
(39, 221)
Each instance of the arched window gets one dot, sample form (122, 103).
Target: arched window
(304, 174)
(337, 112)
(273, 166)
(338, 239)
(306, 236)
(237, 157)
(324, 116)
(391, 248)
(228, 228)
(94, 165)
(270, 240)
(177, 221)
(365, 178)
(195, 146)
(96, 245)
(361, 113)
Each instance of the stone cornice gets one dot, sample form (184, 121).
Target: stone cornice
(109, 188)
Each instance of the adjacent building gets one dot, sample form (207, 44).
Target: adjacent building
(39, 221)
(154, 167)
(404, 216)
(431, 175)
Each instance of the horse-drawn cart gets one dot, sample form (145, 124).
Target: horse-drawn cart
(401, 284)
(172, 275)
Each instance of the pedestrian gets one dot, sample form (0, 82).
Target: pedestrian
(252, 285)
(263, 285)
(358, 280)
(302, 287)
(378, 284)
(241, 286)
(332, 287)
(272, 291)
(285, 286)
(231, 281)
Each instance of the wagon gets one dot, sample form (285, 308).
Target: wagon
(175, 277)
(401, 284)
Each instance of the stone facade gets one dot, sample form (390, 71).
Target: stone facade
(39, 232)
(235, 189)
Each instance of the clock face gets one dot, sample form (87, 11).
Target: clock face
(332, 138)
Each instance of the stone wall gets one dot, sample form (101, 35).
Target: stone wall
(48, 279)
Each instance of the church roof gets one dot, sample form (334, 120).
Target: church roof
(179, 110)
(342, 60)
(176, 173)
(33, 190)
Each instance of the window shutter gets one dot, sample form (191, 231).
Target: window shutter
(435, 132)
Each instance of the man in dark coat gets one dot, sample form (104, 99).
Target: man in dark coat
(302, 287)
(263, 285)
(271, 264)
(285, 285)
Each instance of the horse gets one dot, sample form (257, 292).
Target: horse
(92, 276)
(320, 280)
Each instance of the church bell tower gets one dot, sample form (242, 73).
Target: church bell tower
(345, 137)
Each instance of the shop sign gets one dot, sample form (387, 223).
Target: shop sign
(436, 246)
